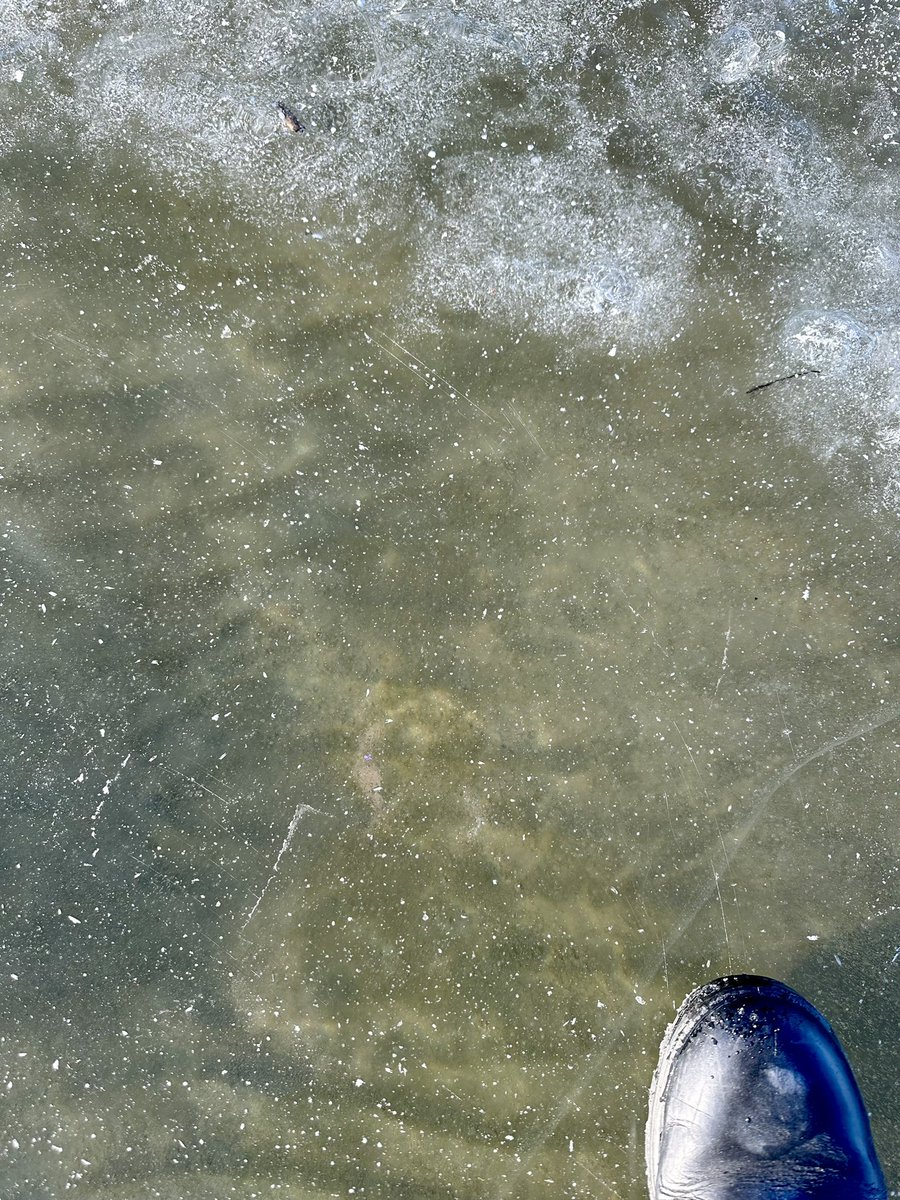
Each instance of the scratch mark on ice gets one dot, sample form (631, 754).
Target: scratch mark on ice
(724, 667)
(646, 628)
(611, 1190)
(411, 366)
(196, 782)
(299, 813)
(786, 728)
(527, 429)
(690, 754)
(724, 922)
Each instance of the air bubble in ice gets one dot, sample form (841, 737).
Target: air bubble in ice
(739, 53)
(735, 54)
(829, 340)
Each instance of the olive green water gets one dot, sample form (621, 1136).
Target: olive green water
(401, 715)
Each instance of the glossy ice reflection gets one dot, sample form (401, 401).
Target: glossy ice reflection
(423, 661)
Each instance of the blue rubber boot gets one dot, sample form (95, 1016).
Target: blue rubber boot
(753, 1099)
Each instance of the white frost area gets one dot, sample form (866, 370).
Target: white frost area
(567, 170)
(549, 246)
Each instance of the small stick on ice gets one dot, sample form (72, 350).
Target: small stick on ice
(783, 379)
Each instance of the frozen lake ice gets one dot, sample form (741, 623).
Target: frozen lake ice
(428, 652)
